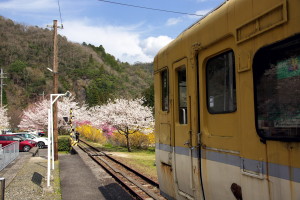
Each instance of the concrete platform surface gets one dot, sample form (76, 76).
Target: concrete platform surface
(82, 179)
(25, 178)
(75, 177)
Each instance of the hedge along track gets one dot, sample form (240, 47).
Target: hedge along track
(140, 186)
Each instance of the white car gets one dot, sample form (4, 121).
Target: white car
(38, 133)
(42, 142)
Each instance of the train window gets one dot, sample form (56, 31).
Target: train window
(165, 90)
(276, 71)
(182, 96)
(220, 82)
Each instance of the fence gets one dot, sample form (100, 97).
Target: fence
(8, 154)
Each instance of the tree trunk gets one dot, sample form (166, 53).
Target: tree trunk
(128, 144)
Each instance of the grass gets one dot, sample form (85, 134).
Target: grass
(63, 152)
(56, 183)
(143, 161)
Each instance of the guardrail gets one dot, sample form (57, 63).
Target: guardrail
(8, 153)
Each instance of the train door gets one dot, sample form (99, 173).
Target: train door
(182, 129)
(220, 143)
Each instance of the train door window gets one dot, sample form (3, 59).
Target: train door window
(182, 95)
(276, 71)
(164, 90)
(220, 82)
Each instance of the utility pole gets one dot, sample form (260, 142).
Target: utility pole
(55, 88)
(2, 77)
(43, 95)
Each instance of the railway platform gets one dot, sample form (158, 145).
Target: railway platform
(80, 178)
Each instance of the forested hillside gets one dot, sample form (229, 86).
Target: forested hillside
(91, 74)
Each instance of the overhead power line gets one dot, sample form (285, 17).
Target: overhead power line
(60, 14)
(143, 7)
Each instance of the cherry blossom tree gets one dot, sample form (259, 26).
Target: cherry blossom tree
(127, 117)
(80, 113)
(94, 115)
(4, 119)
(36, 115)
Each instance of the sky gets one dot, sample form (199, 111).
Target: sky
(131, 34)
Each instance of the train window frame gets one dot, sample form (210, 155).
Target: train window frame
(210, 100)
(278, 57)
(182, 99)
(165, 105)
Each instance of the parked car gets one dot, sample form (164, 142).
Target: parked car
(41, 133)
(24, 144)
(42, 142)
(38, 133)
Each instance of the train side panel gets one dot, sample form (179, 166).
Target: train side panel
(223, 94)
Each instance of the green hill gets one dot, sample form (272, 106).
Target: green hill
(88, 72)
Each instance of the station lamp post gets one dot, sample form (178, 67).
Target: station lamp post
(53, 99)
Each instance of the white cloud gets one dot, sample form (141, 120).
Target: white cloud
(25, 5)
(151, 45)
(203, 12)
(176, 21)
(123, 42)
(173, 21)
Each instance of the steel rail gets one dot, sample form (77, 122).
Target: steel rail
(130, 190)
(125, 166)
(96, 156)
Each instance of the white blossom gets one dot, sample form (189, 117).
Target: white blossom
(36, 115)
(4, 119)
(127, 116)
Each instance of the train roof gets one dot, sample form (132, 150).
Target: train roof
(204, 16)
(190, 27)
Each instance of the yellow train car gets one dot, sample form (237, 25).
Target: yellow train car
(227, 105)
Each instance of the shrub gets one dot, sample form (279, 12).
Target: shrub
(141, 140)
(63, 131)
(137, 140)
(64, 144)
(118, 140)
(92, 133)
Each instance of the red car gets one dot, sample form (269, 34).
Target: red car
(24, 145)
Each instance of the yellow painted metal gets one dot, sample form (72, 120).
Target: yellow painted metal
(244, 26)
(73, 140)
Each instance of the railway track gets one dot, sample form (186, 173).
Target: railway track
(140, 186)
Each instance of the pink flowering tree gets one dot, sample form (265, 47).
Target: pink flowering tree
(4, 119)
(107, 130)
(127, 117)
(82, 123)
